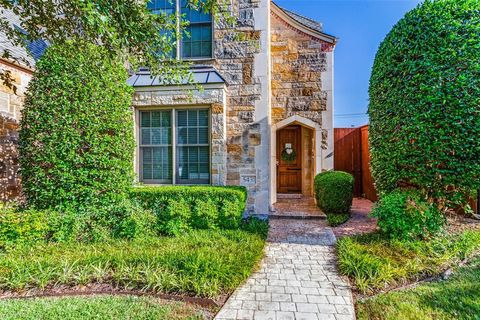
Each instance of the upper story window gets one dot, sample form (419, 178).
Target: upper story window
(196, 41)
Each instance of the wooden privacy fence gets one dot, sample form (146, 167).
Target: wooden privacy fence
(351, 155)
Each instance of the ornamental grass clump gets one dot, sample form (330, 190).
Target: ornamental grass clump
(425, 103)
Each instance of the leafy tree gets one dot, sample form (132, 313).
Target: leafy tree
(425, 103)
(76, 137)
(125, 28)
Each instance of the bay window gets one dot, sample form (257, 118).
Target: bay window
(174, 146)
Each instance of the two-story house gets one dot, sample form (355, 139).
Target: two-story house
(264, 118)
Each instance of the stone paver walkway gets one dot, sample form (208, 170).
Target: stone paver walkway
(297, 279)
(359, 222)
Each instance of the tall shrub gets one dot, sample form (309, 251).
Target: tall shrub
(425, 102)
(76, 137)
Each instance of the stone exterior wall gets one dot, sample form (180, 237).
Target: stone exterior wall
(240, 109)
(239, 53)
(10, 110)
(272, 72)
(15, 100)
(299, 62)
(9, 178)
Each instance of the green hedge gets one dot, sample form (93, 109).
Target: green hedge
(334, 191)
(183, 208)
(76, 138)
(425, 102)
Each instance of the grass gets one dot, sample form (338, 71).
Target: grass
(98, 307)
(201, 263)
(373, 262)
(456, 298)
(337, 219)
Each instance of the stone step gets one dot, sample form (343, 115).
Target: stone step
(289, 195)
(297, 215)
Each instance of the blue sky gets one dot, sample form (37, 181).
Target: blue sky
(361, 25)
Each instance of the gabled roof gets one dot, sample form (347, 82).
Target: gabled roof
(302, 23)
(201, 75)
(312, 24)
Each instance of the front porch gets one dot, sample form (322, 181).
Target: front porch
(296, 206)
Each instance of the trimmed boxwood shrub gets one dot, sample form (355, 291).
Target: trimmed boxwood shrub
(425, 103)
(76, 137)
(334, 191)
(407, 215)
(183, 208)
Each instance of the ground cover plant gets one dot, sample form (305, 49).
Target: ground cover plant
(407, 215)
(424, 105)
(96, 307)
(334, 195)
(335, 220)
(203, 263)
(374, 262)
(455, 298)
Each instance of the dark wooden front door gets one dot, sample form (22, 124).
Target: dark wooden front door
(289, 173)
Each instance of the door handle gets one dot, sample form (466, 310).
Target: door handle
(294, 169)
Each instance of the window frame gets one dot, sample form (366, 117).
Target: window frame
(180, 35)
(174, 146)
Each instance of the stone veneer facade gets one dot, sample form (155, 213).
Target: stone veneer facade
(273, 73)
(10, 109)
(240, 110)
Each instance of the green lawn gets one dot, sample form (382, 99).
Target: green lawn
(456, 298)
(98, 307)
(373, 262)
(201, 263)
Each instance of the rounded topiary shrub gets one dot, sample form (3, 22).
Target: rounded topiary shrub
(334, 191)
(425, 102)
(76, 137)
(407, 215)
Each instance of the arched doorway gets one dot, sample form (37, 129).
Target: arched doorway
(295, 176)
(295, 160)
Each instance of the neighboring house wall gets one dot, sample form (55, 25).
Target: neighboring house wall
(10, 111)
(9, 178)
(11, 103)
